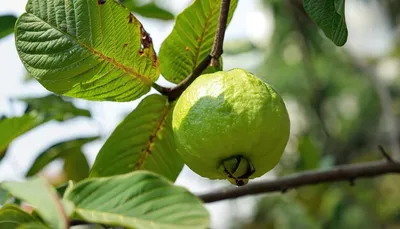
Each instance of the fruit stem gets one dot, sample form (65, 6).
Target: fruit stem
(237, 169)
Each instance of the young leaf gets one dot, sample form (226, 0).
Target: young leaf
(54, 107)
(139, 200)
(7, 23)
(329, 15)
(12, 128)
(144, 140)
(69, 151)
(12, 217)
(191, 39)
(40, 194)
(96, 50)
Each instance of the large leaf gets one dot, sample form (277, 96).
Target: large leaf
(140, 200)
(11, 128)
(54, 107)
(150, 10)
(95, 50)
(40, 194)
(144, 140)
(191, 39)
(71, 152)
(7, 25)
(330, 17)
(12, 217)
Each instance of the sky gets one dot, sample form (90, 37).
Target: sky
(256, 26)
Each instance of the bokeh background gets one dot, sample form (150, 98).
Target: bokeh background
(343, 103)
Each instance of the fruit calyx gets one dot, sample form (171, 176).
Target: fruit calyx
(237, 169)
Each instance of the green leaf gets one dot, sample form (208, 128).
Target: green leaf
(150, 10)
(191, 39)
(310, 156)
(12, 128)
(139, 200)
(70, 151)
(7, 23)
(40, 194)
(11, 216)
(144, 140)
(54, 107)
(3, 196)
(329, 15)
(76, 166)
(96, 50)
(33, 226)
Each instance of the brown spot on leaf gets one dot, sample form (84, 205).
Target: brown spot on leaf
(124, 45)
(187, 48)
(101, 2)
(130, 18)
(145, 40)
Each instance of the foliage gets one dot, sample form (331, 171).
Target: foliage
(99, 50)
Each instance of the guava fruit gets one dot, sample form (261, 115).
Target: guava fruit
(230, 125)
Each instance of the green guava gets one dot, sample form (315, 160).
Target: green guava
(230, 125)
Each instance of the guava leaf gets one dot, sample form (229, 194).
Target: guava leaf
(11, 128)
(191, 39)
(7, 23)
(12, 217)
(139, 200)
(54, 107)
(95, 50)
(69, 151)
(40, 194)
(143, 141)
(329, 15)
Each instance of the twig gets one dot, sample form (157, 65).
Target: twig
(385, 154)
(212, 58)
(340, 173)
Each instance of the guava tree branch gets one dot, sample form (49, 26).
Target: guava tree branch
(212, 58)
(340, 173)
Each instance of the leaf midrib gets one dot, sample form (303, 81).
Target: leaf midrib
(95, 52)
(202, 36)
(147, 151)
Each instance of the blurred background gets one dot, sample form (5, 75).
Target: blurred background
(343, 103)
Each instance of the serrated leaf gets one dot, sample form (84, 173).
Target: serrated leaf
(191, 39)
(67, 150)
(54, 107)
(95, 50)
(143, 141)
(7, 23)
(139, 200)
(11, 128)
(11, 217)
(329, 15)
(43, 197)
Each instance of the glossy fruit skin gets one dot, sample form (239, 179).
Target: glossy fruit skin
(230, 114)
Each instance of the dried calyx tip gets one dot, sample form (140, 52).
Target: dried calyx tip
(237, 169)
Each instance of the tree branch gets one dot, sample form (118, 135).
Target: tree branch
(212, 58)
(340, 173)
